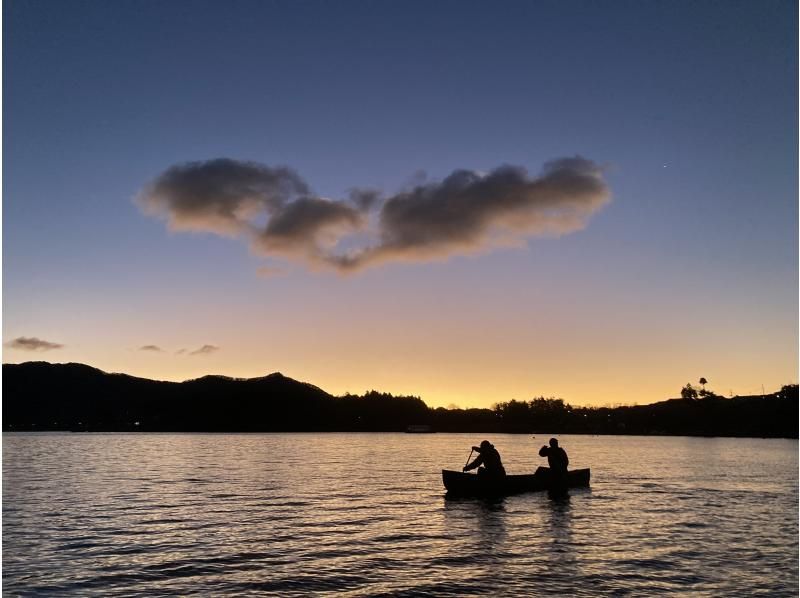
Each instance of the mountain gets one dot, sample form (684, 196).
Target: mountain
(73, 396)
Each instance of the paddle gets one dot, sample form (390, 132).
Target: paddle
(470, 457)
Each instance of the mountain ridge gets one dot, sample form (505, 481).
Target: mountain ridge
(39, 395)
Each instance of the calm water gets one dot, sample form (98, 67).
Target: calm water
(365, 515)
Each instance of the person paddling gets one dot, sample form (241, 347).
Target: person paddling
(489, 458)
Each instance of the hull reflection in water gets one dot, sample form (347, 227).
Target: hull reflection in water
(469, 484)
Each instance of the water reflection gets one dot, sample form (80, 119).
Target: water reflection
(486, 516)
(481, 548)
(141, 515)
(558, 519)
(491, 524)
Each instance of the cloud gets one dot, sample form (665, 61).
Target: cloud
(32, 343)
(270, 271)
(308, 228)
(154, 348)
(204, 350)
(219, 196)
(468, 212)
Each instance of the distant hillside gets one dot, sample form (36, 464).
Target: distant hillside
(45, 396)
(769, 416)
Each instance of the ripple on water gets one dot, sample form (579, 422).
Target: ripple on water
(143, 515)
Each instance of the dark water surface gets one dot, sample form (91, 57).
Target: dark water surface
(365, 515)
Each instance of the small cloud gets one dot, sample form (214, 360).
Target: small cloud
(180, 351)
(205, 350)
(32, 343)
(154, 348)
(270, 271)
(365, 199)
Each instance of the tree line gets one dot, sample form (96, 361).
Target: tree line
(44, 396)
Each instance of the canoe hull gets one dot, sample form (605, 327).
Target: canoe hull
(469, 484)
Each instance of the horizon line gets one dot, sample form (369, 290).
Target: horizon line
(238, 378)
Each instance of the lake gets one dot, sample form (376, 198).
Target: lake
(365, 515)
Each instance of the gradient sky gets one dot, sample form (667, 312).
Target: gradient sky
(690, 270)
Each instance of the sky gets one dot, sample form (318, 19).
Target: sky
(469, 202)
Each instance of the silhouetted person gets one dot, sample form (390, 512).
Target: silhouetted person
(489, 458)
(558, 461)
(556, 457)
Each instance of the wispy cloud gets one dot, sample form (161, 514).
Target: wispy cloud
(270, 271)
(204, 350)
(153, 348)
(466, 213)
(32, 343)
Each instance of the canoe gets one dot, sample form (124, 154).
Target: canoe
(470, 484)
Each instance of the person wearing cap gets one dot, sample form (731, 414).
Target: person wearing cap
(489, 458)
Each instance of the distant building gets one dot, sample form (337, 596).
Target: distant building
(419, 429)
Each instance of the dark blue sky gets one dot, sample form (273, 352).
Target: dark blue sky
(690, 106)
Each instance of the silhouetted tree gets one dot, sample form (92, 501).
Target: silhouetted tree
(688, 392)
